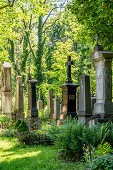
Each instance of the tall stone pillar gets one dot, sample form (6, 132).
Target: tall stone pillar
(56, 107)
(103, 108)
(6, 88)
(34, 110)
(29, 97)
(39, 102)
(84, 99)
(50, 103)
(19, 108)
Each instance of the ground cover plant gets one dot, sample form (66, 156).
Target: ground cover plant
(14, 155)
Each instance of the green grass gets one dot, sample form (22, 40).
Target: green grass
(15, 156)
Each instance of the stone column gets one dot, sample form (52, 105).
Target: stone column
(56, 107)
(34, 111)
(39, 102)
(84, 99)
(50, 103)
(19, 108)
(103, 65)
(6, 88)
(29, 97)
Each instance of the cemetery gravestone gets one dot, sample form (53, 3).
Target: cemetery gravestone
(50, 103)
(19, 109)
(56, 107)
(103, 108)
(39, 102)
(6, 88)
(68, 94)
(84, 99)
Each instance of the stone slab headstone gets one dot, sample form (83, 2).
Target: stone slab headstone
(50, 103)
(84, 99)
(39, 102)
(56, 107)
(6, 88)
(19, 106)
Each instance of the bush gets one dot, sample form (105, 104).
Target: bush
(32, 138)
(68, 138)
(21, 126)
(102, 162)
(5, 121)
(43, 114)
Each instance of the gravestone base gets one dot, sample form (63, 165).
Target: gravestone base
(13, 116)
(34, 112)
(33, 123)
(103, 108)
(20, 115)
(100, 118)
(61, 119)
(83, 117)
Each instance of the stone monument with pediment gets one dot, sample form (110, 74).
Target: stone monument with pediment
(103, 108)
(6, 88)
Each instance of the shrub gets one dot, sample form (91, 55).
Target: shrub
(102, 162)
(103, 149)
(95, 135)
(68, 138)
(20, 125)
(32, 138)
(44, 114)
(4, 120)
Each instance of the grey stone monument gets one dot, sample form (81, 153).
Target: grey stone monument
(19, 108)
(84, 99)
(39, 102)
(6, 88)
(50, 103)
(103, 108)
(29, 96)
(56, 107)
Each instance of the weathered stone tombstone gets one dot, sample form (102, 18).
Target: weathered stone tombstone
(6, 88)
(56, 107)
(19, 107)
(39, 102)
(29, 97)
(93, 101)
(68, 94)
(84, 99)
(50, 103)
(32, 112)
(103, 108)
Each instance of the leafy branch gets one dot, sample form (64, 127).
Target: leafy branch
(10, 4)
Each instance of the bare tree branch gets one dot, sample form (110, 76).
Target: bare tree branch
(50, 14)
(8, 5)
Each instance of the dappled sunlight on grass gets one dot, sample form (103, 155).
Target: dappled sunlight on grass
(15, 156)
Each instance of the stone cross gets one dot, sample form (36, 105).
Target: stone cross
(68, 65)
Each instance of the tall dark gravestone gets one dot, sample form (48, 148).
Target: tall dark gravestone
(69, 93)
(34, 110)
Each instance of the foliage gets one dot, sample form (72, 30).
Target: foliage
(96, 16)
(20, 125)
(95, 135)
(68, 138)
(7, 133)
(32, 138)
(43, 114)
(103, 149)
(4, 120)
(102, 162)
